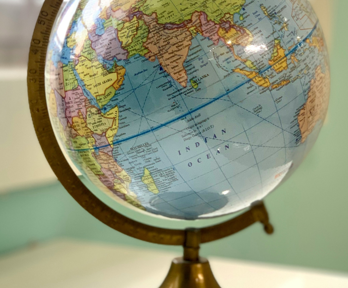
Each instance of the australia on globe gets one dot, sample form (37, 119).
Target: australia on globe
(187, 109)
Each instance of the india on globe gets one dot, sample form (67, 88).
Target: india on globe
(187, 109)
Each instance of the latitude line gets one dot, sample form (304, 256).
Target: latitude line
(254, 154)
(281, 124)
(233, 104)
(229, 140)
(219, 166)
(294, 49)
(241, 172)
(205, 53)
(281, 37)
(213, 99)
(256, 163)
(166, 153)
(142, 117)
(194, 121)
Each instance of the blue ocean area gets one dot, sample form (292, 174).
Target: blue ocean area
(67, 53)
(88, 94)
(100, 26)
(227, 137)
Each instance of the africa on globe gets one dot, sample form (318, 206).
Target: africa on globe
(187, 109)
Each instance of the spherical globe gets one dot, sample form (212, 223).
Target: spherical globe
(187, 109)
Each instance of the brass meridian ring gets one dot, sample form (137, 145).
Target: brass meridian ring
(67, 177)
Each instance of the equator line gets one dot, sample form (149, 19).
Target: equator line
(153, 129)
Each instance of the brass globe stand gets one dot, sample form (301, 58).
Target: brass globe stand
(194, 271)
(189, 271)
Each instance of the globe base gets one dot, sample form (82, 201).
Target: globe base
(193, 274)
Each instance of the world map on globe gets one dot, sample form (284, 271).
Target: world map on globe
(187, 109)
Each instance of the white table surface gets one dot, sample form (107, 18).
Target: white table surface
(67, 263)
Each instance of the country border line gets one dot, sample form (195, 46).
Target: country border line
(153, 129)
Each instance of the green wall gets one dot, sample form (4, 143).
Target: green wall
(309, 211)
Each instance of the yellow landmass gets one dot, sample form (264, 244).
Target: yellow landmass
(71, 40)
(135, 202)
(129, 30)
(136, 46)
(116, 179)
(112, 113)
(117, 4)
(104, 13)
(149, 182)
(80, 126)
(110, 134)
(85, 154)
(234, 37)
(193, 31)
(90, 162)
(83, 4)
(122, 182)
(264, 10)
(56, 77)
(177, 11)
(78, 13)
(280, 84)
(87, 50)
(228, 17)
(269, 16)
(120, 71)
(317, 103)
(104, 5)
(250, 64)
(255, 77)
(83, 143)
(278, 60)
(194, 83)
(106, 161)
(112, 131)
(285, 26)
(96, 122)
(294, 60)
(52, 104)
(104, 99)
(70, 82)
(113, 22)
(96, 78)
(316, 42)
(62, 131)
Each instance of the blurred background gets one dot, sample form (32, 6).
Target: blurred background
(309, 211)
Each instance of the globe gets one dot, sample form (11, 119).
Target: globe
(187, 109)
